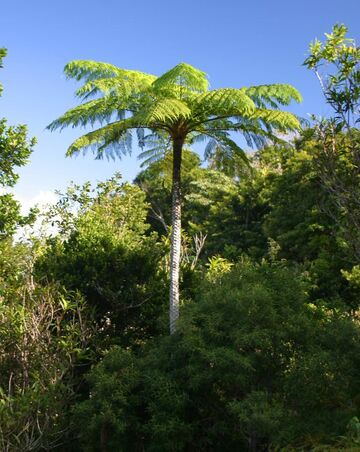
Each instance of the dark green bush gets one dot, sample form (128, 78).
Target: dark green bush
(253, 364)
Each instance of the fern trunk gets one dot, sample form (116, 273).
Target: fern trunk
(175, 235)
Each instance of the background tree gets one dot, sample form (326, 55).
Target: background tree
(15, 150)
(336, 62)
(103, 249)
(3, 53)
(179, 106)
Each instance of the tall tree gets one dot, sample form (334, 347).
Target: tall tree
(179, 106)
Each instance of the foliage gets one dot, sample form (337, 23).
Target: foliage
(104, 251)
(177, 102)
(252, 364)
(3, 53)
(297, 216)
(227, 211)
(43, 336)
(337, 139)
(342, 88)
(106, 418)
(15, 150)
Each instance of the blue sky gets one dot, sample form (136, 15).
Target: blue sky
(238, 43)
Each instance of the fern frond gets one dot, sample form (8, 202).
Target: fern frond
(255, 132)
(183, 75)
(223, 153)
(176, 104)
(124, 85)
(88, 70)
(163, 111)
(281, 120)
(112, 139)
(98, 110)
(225, 102)
(152, 155)
(222, 140)
(273, 95)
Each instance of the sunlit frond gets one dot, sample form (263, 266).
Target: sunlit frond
(183, 75)
(124, 85)
(222, 102)
(281, 120)
(273, 95)
(90, 70)
(112, 140)
(98, 110)
(163, 111)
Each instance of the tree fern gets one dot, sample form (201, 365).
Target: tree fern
(176, 108)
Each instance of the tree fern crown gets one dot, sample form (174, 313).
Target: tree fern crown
(176, 105)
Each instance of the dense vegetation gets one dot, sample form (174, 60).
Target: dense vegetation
(266, 353)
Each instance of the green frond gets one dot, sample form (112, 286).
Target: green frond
(125, 85)
(225, 102)
(163, 111)
(273, 95)
(256, 132)
(176, 92)
(112, 139)
(223, 153)
(90, 70)
(98, 110)
(281, 120)
(183, 75)
(151, 156)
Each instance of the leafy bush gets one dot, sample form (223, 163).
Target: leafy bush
(105, 251)
(253, 364)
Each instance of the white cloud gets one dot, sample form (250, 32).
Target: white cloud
(41, 200)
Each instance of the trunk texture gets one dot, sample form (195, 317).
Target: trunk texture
(175, 235)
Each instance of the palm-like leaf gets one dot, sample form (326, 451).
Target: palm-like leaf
(225, 102)
(178, 102)
(273, 95)
(114, 138)
(123, 86)
(185, 76)
(97, 110)
(163, 113)
(90, 70)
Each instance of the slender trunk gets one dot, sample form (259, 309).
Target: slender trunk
(175, 235)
